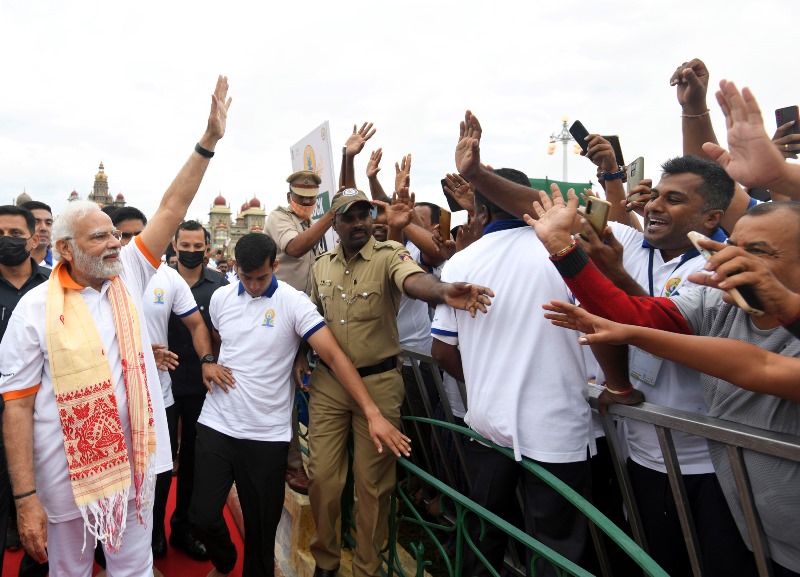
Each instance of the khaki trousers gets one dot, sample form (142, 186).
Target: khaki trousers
(332, 413)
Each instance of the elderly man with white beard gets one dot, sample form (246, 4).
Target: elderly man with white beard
(85, 434)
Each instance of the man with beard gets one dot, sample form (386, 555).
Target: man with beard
(357, 288)
(298, 241)
(85, 435)
(188, 389)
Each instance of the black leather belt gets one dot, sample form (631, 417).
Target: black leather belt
(386, 364)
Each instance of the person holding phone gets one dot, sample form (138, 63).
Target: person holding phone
(693, 194)
(761, 250)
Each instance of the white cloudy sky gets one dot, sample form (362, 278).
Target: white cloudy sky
(128, 83)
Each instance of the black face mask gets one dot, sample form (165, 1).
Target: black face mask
(12, 251)
(191, 258)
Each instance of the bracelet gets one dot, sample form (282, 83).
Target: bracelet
(564, 251)
(623, 393)
(696, 115)
(202, 151)
(23, 495)
(613, 175)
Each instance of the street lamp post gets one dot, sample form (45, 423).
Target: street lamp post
(564, 137)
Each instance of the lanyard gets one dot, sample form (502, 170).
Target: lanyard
(650, 270)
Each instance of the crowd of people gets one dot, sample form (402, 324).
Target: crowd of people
(99, 305)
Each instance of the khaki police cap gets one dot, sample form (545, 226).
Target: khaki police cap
(347, 199)
(304, 183)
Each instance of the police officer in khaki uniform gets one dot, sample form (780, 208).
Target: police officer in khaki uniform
(298, 243)
(357, 287)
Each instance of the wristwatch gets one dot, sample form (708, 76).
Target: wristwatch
(208, 359)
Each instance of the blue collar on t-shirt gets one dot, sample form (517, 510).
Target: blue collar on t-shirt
(505, 224)
(273, 286)
(719, 236)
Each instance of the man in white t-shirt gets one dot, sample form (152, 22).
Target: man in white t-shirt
(525, 385)
(244, 430)
(99, 280)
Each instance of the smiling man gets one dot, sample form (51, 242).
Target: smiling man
(75, 350)
(243, 431)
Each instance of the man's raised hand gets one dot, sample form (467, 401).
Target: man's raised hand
(468, 153)
(356, 141)
(554, 218)
(456, 186)
(752, 159)
(218, 117)
(373, 167)
(691, 78)
(402, 177)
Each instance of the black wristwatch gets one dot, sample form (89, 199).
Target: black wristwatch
(208, 359)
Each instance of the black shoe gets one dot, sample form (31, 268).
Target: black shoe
(189, 545)
(159, 545)
(318, 572)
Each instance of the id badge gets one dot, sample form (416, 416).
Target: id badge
(643, 366)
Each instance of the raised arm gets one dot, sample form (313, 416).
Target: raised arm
(751, 159)
(373, 168)
(514, 198)
(176, 200)
(691, 82)
(740, 363)
(354, 144)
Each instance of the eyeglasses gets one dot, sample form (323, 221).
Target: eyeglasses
(101, 236)
(304, 200)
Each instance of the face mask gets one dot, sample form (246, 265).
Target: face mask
(302, 211)
(12, 251)
(191, 258)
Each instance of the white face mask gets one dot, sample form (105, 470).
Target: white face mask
(302, 211)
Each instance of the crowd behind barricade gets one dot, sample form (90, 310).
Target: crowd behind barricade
(687, 297)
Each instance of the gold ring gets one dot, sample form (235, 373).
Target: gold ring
(786, 146)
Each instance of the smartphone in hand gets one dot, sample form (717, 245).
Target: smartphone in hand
(787, 114)
(744, 296)
(635, 175)
(579, 133)
(613, 140)
(444, 223)
(596, 213)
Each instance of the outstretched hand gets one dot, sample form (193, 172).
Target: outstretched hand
(373, 167)
(218, 117)
(402, 169)
(468, 297)
(356, 141)
(752, 159)
(596, 329)
(468, 149)
(554, 218)
(456, 186)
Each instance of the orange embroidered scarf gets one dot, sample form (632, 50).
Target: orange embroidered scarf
(94, 442)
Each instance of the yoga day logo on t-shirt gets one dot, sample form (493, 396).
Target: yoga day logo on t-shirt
(671, 286)
(159, 296)
(269, 318)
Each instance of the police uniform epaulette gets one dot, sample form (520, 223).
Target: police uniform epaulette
(391, 244)
(329, 253)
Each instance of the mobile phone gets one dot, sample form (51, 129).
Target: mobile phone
(579, 133)
(451, 202)
(635, 175)
(613, 140)
(744, 295)
(596, 212)
(784, 115)
(444, 223)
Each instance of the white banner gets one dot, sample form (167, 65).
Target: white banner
(313, 152)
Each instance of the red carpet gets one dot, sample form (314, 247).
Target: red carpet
(175, 564)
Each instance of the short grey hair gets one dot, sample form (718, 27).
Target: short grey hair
(64, 225)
